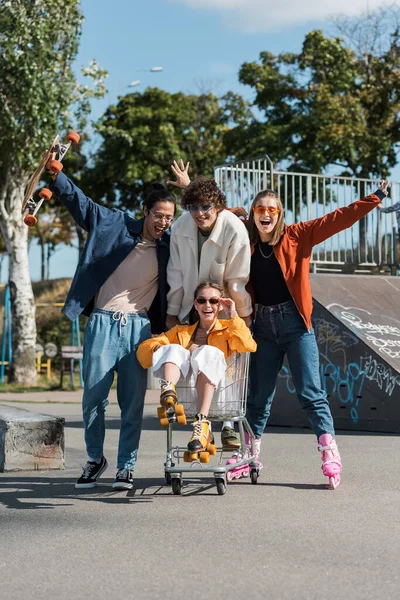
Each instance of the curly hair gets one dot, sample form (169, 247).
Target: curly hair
(204, 191)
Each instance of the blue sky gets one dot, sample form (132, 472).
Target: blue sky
(199, 43)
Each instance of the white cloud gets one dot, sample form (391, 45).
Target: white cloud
(265, 15)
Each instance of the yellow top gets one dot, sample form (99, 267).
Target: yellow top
(229, 336)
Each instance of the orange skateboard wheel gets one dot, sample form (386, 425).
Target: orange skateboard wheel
(179, 410)
(30, 220)
(73, 137)
(55, 166)
(45, 193)
(161, 412)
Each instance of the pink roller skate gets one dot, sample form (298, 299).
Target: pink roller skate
(251, 469)
(238, 472)
(331, 463)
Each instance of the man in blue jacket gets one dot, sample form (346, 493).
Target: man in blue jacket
(121, 283)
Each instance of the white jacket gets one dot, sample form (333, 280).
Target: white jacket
(225, 259)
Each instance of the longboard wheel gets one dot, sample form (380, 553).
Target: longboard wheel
(30, 220)
(45, 193)
(73, 137)
(55, 166)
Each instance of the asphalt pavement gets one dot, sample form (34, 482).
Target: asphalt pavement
(288, 537)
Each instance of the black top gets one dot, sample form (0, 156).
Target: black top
(266, 277)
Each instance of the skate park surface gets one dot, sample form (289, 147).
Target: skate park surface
(356, 320)
(286, 537)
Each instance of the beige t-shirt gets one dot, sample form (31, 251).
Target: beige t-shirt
(133, 285)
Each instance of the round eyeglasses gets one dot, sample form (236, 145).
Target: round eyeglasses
(160, 217)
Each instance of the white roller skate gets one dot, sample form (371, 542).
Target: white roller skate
(331, 462)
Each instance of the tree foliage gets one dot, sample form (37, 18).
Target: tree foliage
(330, 104)
(144, 132)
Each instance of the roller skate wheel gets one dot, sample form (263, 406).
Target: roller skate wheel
(164, 422)
(45, 193)
(30, 220)
(179, 410)
(230, 476)
(55, 166)
(212, 449)
(187, 457)
(194, 456)
(161, 412)
(204, 457)
(181, 420)
(73, 137)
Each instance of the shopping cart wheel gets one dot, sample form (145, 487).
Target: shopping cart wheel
(254, 476)
(221, 486)
(167, 478)
(176, 486)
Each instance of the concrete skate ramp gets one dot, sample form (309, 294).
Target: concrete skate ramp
(356, 319)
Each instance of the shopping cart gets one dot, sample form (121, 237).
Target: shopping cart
(228, 404)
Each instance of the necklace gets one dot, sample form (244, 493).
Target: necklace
(262, 254)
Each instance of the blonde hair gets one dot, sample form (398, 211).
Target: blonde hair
(280, 224)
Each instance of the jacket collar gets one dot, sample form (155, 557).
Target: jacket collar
(190, 329)
(191, 230)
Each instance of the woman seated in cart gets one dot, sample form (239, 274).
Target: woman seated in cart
(200, 349)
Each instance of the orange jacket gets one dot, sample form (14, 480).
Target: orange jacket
(229, 336)
(294, 249)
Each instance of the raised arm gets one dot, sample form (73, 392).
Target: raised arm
(318, 230)
(390, 209)
(240, 339)
(85, 212)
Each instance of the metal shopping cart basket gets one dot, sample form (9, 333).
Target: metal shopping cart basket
(228, 404)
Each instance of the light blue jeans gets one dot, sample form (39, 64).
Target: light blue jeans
(110, 344)
(280, 330)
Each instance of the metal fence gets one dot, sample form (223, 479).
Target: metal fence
(370, 243)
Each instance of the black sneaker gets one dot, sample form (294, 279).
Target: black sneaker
(91, 473)
(123, 480)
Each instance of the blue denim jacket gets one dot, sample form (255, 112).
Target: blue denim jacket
(112, 234)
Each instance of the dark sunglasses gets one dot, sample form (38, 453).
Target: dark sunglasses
(194, 208)
(202, 300)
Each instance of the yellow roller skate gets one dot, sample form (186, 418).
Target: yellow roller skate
(170, 410)
(201, 444)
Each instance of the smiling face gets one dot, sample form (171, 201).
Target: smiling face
(158, 219)
(204, 215)
(207, 305)
(266, 213)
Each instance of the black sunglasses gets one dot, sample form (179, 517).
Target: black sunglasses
(202, 300)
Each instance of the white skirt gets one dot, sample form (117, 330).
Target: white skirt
(205, 359)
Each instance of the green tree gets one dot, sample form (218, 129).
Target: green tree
(144, 132)
(38, 44)
(331, 104)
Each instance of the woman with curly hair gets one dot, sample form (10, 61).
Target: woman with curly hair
(208, 243)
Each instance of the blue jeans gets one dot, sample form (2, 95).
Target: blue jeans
(110, 344)
(280, 330)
